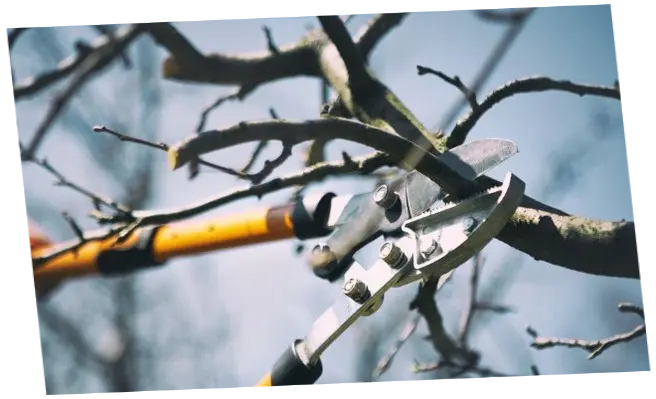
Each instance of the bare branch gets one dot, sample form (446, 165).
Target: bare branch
(470, 307)
(96, 61)
(448, 348)
(484, 73)
(165, 147)
(297, 132)
(95, 198)
(108, 31)
(596, 347)
(359, 79)
(261, 146)
(454, 369)
(74, 226)
(406, 332)
(98, 50)
(379, 26)
(526, 85)
(271, 45)
(238, 95)
(454, 81)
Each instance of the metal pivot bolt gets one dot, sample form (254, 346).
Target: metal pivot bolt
(356, 290)
(391, 254)
(428, 247)
(469, 225)
(385, 197)
(320, 249)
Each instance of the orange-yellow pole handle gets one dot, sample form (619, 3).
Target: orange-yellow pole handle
(167, 241)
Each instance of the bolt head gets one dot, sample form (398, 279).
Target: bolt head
(428, 247)
(385, 197)
(469, 224)
(391, 254)
(356, 290)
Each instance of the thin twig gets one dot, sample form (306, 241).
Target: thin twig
(79, 233)
(409, 328)
(95, 198)
(406, 332)
(164, 147)
(238, 95)
(488, 67)
(468, 313)
(261, 146)
(520, 86)
(361, 165)
(455, 370)
(97, 61)
(454, 81)
(271, 44)
(594, 347)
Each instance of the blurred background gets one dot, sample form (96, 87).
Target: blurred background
(220, 320)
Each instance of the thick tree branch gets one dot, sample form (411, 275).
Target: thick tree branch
(327, 129)
(596, 347)
(359, 79)
(601, 248)
(379, 26)
(526, 85)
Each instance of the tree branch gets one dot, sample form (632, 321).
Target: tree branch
(453, 81)
(96, 61)
(526, 85)
(96, 199)
(596, 347)
(166, 147)
(97, 50)
(327, 129)
(13, 36)
(361, 165)
(379, 26)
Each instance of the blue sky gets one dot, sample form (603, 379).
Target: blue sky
(283, 298)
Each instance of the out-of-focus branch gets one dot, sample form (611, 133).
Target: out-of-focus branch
(379, 26)
(358, 76)
(97, 60)
(596, 347)
(261, 146)
(363, 165)
(409, 328)
(96, 199)
(526, 85)
(446, 346)
(113, 42)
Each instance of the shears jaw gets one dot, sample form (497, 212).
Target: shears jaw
(447, 237)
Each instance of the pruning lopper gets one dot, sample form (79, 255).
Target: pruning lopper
(433, 237)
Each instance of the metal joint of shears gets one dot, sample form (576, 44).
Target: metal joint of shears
(432, 244)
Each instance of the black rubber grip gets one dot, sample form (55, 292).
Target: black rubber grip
(126, 260)
(308, 226)
(290, 370)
